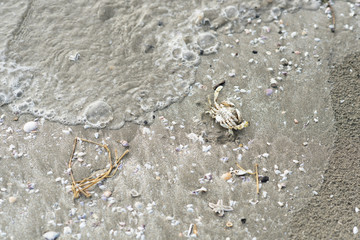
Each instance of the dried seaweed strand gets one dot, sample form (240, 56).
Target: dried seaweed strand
(257, 178)
(79, 187)
(251, 173)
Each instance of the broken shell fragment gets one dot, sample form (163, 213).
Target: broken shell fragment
(107, 194)
(273, 83)
(51, 235)
(124, 143)
(229, 224)
(268, 91)
(12, 199)
(239, 172)
(200, 190)
(226, 176)
(134, 193)
(30, 126)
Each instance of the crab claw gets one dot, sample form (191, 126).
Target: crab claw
(243, 125)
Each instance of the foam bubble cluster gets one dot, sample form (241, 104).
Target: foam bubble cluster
(120, 61)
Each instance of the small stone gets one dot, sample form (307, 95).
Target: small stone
(30, 126)
(355, 230)
(281, 204)
(264, 179)
(305, 143)
(12, 199)
(51, 235)
(243, 220)
(296, 121)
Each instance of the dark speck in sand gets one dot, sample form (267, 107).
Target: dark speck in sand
(254, 52)
(263, 179)
(243, 220)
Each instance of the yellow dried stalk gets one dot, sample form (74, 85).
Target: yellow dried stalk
(81, 187)
(256, 175)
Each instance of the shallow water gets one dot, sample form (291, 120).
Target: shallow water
(104, 63)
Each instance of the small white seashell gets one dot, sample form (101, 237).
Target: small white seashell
(74, 56)
(30, 126)
(281, 204)
(281, 186)
(134, 193)
(107, 194)
(12, 199)
(273, 83)
(357, 210)
(51, 235)
(206, 148)
(67, 230)
(239, 172)
(355, 230)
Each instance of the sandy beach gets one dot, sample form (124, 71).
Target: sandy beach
(141, 82)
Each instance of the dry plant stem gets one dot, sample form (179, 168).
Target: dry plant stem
(82, 186)
(256, 175)
(244, 169)
(257, 178)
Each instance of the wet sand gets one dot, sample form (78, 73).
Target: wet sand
(312, 165)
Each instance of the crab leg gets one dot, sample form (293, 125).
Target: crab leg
(216, 95)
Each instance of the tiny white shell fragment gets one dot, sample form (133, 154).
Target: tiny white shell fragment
(134, 193)
(51, 235)
(30, 126)
(67, 230)
(12, 199)
(281, 186)
(74, 56)
(357, 210)
(355, 230)
(239, 172)
(281, 204)
(206, 148)
(107, 194)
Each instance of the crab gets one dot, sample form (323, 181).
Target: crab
(226, 114)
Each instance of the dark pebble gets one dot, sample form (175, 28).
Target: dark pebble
(263, 179)
(243, 220)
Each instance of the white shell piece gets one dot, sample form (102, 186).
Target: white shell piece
(30, 126)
